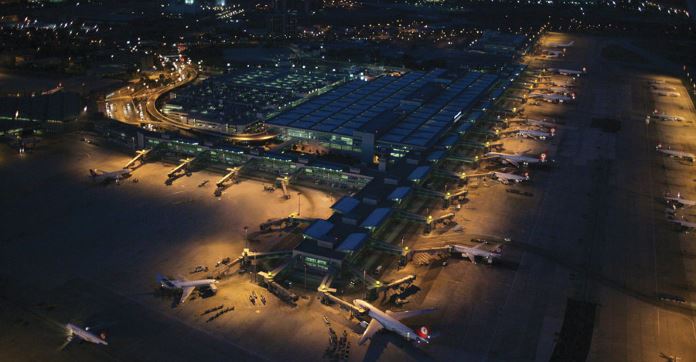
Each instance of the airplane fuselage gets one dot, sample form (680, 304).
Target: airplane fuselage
(388, 322)
(508, 177)
(472, 253)
(518, 159)
(180, 284)
(680, 201)
(101, 176)
(678, 154)
(84, 334)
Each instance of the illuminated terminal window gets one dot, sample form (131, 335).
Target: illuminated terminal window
(316, 263)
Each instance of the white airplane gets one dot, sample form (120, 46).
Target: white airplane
(562, 90)
(676, 154)
(666, 117)
(506, 178)
(666, 93)
(686, 225)
(551, 98)
(538, 123)
(531, 133)
(566, 85)
(116, 176)
(472, 252)
(552, 53)
(503, 177)
(187, 286)
(570, 72)
(561, 45)
(391, 321)
(84, 334)
(139, 156)
(679, 201)
(517, 159)
(663, 88)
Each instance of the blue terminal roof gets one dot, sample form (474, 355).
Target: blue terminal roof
(352, 242)
(399, 193)
(318, 229)
(497, 93)
(474, 116)
(347, 108)
(345, 205)
(429, 106)
(311, 247)
(376, 218)
(449, 141)
(436, 155)
(427, 122)
(419, 173)
(464, 127)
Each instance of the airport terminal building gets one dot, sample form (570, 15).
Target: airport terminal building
(239, 102)
(398, 113)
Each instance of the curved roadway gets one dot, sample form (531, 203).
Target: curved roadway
(189, 74)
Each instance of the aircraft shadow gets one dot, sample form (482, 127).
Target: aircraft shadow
(379, 343)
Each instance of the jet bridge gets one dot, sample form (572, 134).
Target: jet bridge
(374, 286)
(431, 223)
(232, 173)
(139, 157)
(283, 182)
(183, 166)
(276, 288)
(248, 255)
(325, 285)
(461, 158)
(471, 144)
(349, 306)
(428, 192)
(478, 175)
(453, 195)
(397, 284)
(284, 222)
(386, 247)
(447, 197)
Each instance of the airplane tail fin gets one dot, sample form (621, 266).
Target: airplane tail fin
(424, 333)
(161, 279)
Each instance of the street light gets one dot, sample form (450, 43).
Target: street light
(298, 203)
(246, 239)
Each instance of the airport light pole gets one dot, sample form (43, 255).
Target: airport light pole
(246, 238)
(365, 281)
(298, 203)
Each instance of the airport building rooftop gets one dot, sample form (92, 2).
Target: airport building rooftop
(401, 113)
(230, 103)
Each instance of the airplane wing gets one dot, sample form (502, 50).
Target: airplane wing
(371, 329)
(409, 313)
(514, 163)
(185, 293)
(471, 257)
